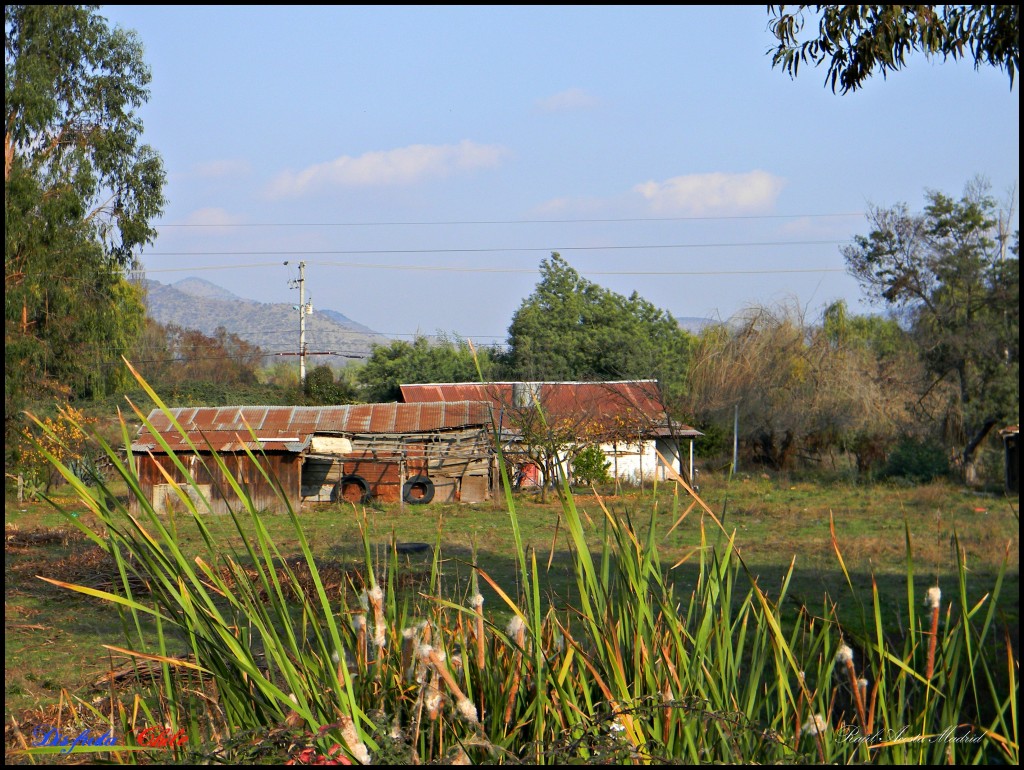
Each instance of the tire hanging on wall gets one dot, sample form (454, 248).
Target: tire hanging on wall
(338, 493)
(418, 490)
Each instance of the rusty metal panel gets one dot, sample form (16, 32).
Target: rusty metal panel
(610, 404)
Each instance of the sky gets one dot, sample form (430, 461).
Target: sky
(423, 161)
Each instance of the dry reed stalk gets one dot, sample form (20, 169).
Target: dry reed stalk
(517, 629)
(376, 599)
(359, 621)
(933, 600)
(408, 645)
(462, 703)
(871, 708)
(666, 710)
(844, 657)
(817, 726)
(351, 736)
(799, 705)
(477, 603)
(430, 693)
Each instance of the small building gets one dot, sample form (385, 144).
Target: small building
(625, 418)
(413, 452)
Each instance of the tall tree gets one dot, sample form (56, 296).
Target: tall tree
(858, 40)
(949, 270)
(422, 360)
(80, 191)
(572, 329)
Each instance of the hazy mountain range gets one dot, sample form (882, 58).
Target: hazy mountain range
(193, 303)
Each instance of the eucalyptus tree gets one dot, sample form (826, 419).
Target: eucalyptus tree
(856, 41)
(80, 194)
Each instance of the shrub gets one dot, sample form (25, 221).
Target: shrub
(591, 467)
(919, 460)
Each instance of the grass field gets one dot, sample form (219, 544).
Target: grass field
(53, 637)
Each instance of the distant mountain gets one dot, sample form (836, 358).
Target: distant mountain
(193, 303)
(347, 322)
(197, 287)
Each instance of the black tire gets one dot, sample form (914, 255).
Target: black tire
(418, 490)
(338, 493)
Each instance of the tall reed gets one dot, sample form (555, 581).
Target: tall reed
(642, 669)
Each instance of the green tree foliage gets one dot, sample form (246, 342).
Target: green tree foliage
(170, 356)
(423, 360)
(80, 192)
(572, 329)
(949, 270)
(590, 466)
(858, 40)
(323, 388)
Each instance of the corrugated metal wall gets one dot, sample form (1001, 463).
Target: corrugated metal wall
(285, 467)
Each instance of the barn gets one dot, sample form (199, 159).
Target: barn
(416, 453)
(625, 418)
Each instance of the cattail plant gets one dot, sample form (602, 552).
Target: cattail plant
(463, 704)
(702, 679)
(933, 601)
(517, 632)
(376, 599)
(844, 657)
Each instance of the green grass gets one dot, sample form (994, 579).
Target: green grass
(54, 636)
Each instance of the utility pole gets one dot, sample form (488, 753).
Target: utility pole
(304, 308)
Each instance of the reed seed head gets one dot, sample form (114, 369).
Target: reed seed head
(816, 726)
(844, 655)
(515, 626)
(933, 599)
(467, 710)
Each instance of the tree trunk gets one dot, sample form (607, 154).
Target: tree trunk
(969, 459)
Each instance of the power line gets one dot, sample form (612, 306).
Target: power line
(518, 221)
(519, 270)
(493, 250)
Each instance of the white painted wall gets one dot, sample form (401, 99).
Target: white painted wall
(636, 462)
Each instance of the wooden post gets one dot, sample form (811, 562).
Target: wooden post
(401, 475)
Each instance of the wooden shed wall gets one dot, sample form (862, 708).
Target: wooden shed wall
(285, 467)
(386, 462)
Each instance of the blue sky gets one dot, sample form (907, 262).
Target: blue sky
(422, 161)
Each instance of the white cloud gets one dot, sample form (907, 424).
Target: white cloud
(210, 217)
(401, 166)
(571, 99)
(713, 194)
(222, 168)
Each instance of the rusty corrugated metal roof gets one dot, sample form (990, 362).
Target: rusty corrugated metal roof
(617, 403)
(289, 428)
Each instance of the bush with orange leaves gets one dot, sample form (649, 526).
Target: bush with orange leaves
(62, 437)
